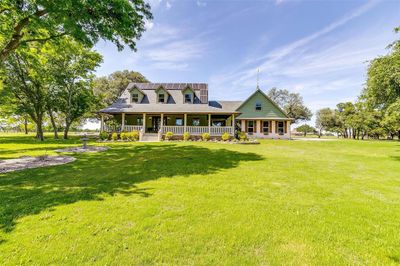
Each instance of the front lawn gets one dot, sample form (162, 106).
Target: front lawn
(281, 202)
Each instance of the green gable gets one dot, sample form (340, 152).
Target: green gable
(268, 108)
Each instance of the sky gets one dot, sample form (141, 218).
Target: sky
(317, 48)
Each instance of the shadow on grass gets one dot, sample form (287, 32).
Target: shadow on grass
(114, 171)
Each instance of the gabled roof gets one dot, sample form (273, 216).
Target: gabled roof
(135, 87)
(258, 90)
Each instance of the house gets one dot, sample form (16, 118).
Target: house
(156, 108)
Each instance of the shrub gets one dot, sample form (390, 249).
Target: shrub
(205, 136)
(226, 136)
(134, 135)
(114, 136)
(186, 136)
(242, 136)
(103, 135)
(169, 135)
(124, 136)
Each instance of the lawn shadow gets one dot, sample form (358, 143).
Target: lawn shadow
(115, 171)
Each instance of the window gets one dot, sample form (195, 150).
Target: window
(161, 98)
(139, 121)
(250, 127)
(178, 121)
(188, 98)
(196, 122)
(281, 129)
(218, 122)
(135, 98)
(265, 127)
(258, 106)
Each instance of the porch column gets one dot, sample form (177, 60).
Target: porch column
(273, 127)
(258, 124)
(102, 123)
(144, 122)
(209, 124)
(162, 123)
(233, 124)
(123, 122)
(243, 126)
(184, 122)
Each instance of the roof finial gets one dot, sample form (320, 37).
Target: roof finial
(258, 78)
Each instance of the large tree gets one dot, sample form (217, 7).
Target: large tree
(71, 67)
(325, 120)
(291, 103)
(86, 21)
(26, 80)
(110, 87)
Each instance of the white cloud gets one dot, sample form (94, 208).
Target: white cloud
(168, 5)
(200, 3)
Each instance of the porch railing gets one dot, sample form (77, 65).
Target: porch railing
(127, 128)
(177, 130)
(197, 130)
(131, 128)
(218, 131)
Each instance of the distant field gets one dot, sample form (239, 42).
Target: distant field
(279, 203)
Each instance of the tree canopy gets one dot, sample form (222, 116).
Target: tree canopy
(111, 86)
(86, 21)
(291, 103)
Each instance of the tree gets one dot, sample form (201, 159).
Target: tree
(86, 21)
(325, 120)
(291, 103)
(383, 82)
(109, 88)
(71, 67)
(391, 120)
(26, 81)
(305, 129)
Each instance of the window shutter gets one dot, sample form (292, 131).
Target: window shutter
(270, 126)
(285, 127)
(245, 126)
(276, 127)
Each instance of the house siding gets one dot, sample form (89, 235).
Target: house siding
(269, 110)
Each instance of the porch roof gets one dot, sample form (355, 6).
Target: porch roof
(221, 107)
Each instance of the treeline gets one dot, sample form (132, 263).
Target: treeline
(47, 64)
(376, 113)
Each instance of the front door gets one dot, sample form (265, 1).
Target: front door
(155, 122)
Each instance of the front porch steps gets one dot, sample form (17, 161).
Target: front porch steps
(150, 137)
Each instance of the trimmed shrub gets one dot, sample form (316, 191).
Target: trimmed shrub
(226, 136)
(124, 136)
(103, 135)
(186, 136)
(205, 136)
(134, 135)
(114, 136)
(169, 135)
(242, 136)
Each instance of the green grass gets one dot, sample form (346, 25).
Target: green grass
(278, 203)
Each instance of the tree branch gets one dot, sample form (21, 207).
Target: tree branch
(43, 39)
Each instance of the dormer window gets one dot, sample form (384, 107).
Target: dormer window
(258, 106)
(135, 98)
(161, 98)
(188, 98)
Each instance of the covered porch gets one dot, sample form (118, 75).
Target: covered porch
(194, 124)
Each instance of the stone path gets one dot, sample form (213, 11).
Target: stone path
(26, 162)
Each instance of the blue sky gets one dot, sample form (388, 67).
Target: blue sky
(317, 48)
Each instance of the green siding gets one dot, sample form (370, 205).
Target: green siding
(268, 109)
(140, 94)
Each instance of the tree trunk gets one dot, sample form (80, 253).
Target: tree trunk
(26, 125)
(53, 123)
(398, 135)
(39, 130)
(66, 130)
